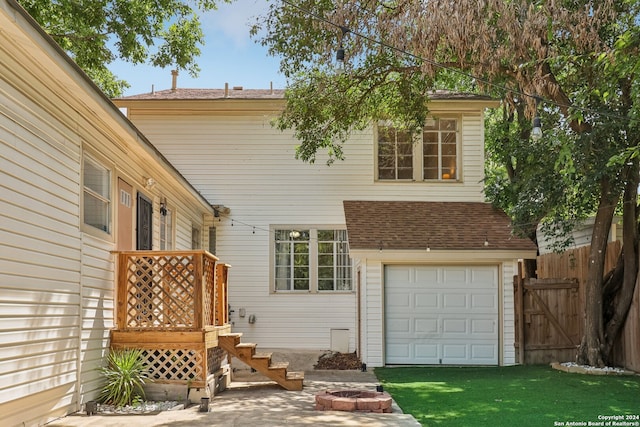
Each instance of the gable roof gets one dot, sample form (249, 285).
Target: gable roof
(435, 225)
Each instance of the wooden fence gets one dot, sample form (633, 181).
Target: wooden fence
(550, 311)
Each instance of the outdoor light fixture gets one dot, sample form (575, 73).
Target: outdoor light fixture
(536, 130)
(340, 52)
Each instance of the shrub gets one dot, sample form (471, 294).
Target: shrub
(125, 374)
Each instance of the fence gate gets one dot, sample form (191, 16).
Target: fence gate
(548, 320)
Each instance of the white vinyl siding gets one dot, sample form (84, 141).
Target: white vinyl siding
(239, 161)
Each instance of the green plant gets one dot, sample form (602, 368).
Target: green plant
(125, 374)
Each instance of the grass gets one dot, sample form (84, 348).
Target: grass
(510, 396)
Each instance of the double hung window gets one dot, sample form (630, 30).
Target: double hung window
(96, 182)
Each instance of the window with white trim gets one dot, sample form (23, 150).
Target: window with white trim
(166, 229)
(431, 154)
(311, 260)
(96, 182)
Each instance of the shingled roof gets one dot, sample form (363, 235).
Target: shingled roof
(437, 225)
(241, 93)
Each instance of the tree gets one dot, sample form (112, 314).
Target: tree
(95, 32)
(576, 57)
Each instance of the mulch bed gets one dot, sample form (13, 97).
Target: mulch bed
(338, 361)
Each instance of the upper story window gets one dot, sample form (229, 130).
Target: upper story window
(428, 155)
(311, 260)
(96, 181)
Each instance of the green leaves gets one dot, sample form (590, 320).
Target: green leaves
(96, 32)
(125, 375)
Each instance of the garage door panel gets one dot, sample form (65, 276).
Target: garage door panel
(454, 300)
(455, 276)
(425, 300)
(426, 354)
(426, 275)
(426, 327)
(400, 326)
(401, 300)
(399, 351)
(483, 326)
(441, 315)
(484, 354)
(454, 326)
(455, 353)
(484, 301)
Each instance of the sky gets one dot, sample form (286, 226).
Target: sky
(229, 55)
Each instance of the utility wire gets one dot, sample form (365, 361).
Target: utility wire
(452, 69)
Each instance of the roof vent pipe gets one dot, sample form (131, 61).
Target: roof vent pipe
(271, 87)
(174, 79)
(226, 90)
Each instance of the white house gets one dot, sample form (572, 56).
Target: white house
(77, 182)
(392, 253)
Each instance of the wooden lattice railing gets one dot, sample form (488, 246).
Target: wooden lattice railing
(172, 306)
(173, 290)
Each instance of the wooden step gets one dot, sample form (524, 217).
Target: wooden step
(261, 362)
(294, 381)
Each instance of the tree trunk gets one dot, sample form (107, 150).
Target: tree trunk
(591, 349)
(621, 302)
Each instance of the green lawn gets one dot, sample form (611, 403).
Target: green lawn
(527, 396)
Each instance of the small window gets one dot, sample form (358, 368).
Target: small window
(96, 195)
(196, 242)
(212, 240)
(166, 228)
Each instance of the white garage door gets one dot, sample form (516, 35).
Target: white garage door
(441, 315)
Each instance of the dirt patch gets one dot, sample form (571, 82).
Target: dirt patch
(338, 361)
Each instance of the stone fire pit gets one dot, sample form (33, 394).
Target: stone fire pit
(354, 401)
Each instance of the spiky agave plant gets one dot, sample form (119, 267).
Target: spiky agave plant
(125, 373)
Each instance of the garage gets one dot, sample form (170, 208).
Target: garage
(441, 315)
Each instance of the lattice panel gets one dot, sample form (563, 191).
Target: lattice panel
(177, 364)
(209, 275)
(160, 292)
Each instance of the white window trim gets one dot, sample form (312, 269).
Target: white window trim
(418, 158)
(313, 260)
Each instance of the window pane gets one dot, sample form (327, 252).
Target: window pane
(395, 154)
(96, 212)
(440, 150)
(291, 259)
(97, 178)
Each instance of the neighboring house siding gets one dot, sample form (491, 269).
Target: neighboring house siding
(238, 160)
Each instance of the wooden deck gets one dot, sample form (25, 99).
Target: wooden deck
(172, 305)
